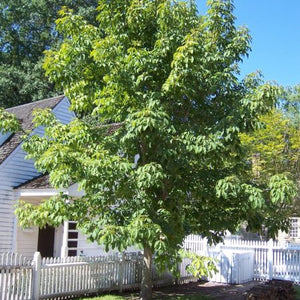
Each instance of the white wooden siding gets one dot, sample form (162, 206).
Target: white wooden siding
(6, 217)
(86, 248)
(14, 171)
(26, 241)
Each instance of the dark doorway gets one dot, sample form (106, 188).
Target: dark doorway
(46, 241)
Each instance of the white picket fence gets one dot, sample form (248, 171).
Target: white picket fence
(64, 278)
(271, 259)
(82, 275)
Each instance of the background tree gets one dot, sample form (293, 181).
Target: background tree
(274, 147)
(156, 147)
(290, 104)
(27, 28)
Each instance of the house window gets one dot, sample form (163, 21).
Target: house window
(72, 239)
(294, 228)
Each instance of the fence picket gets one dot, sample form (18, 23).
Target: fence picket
(269, 257)
(15, 277)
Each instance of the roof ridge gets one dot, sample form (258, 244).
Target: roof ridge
(35, 102)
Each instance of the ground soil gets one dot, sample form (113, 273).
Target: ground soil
(212, 289)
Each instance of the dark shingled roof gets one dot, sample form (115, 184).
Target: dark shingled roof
(24, 114)
(40, 182)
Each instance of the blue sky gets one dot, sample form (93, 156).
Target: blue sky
(275, 29)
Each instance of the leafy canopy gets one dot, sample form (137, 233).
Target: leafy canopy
(27, 29)
(274, 147)
(156, 145)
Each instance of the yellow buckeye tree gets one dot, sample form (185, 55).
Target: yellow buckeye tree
(156, 144)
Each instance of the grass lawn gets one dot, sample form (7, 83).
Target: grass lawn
(108, 297)
(297, 289)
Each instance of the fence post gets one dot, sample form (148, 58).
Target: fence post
(36, 276)
(270, 259)
(121, 271)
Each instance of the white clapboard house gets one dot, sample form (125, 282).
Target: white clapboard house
(20, 180)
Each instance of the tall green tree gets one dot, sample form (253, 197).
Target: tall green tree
(27, 28)
(156, 144)
(274, 147)
(290, 104)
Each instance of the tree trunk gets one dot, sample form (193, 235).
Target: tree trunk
(146, 286)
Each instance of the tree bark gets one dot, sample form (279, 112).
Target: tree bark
(146, 286)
